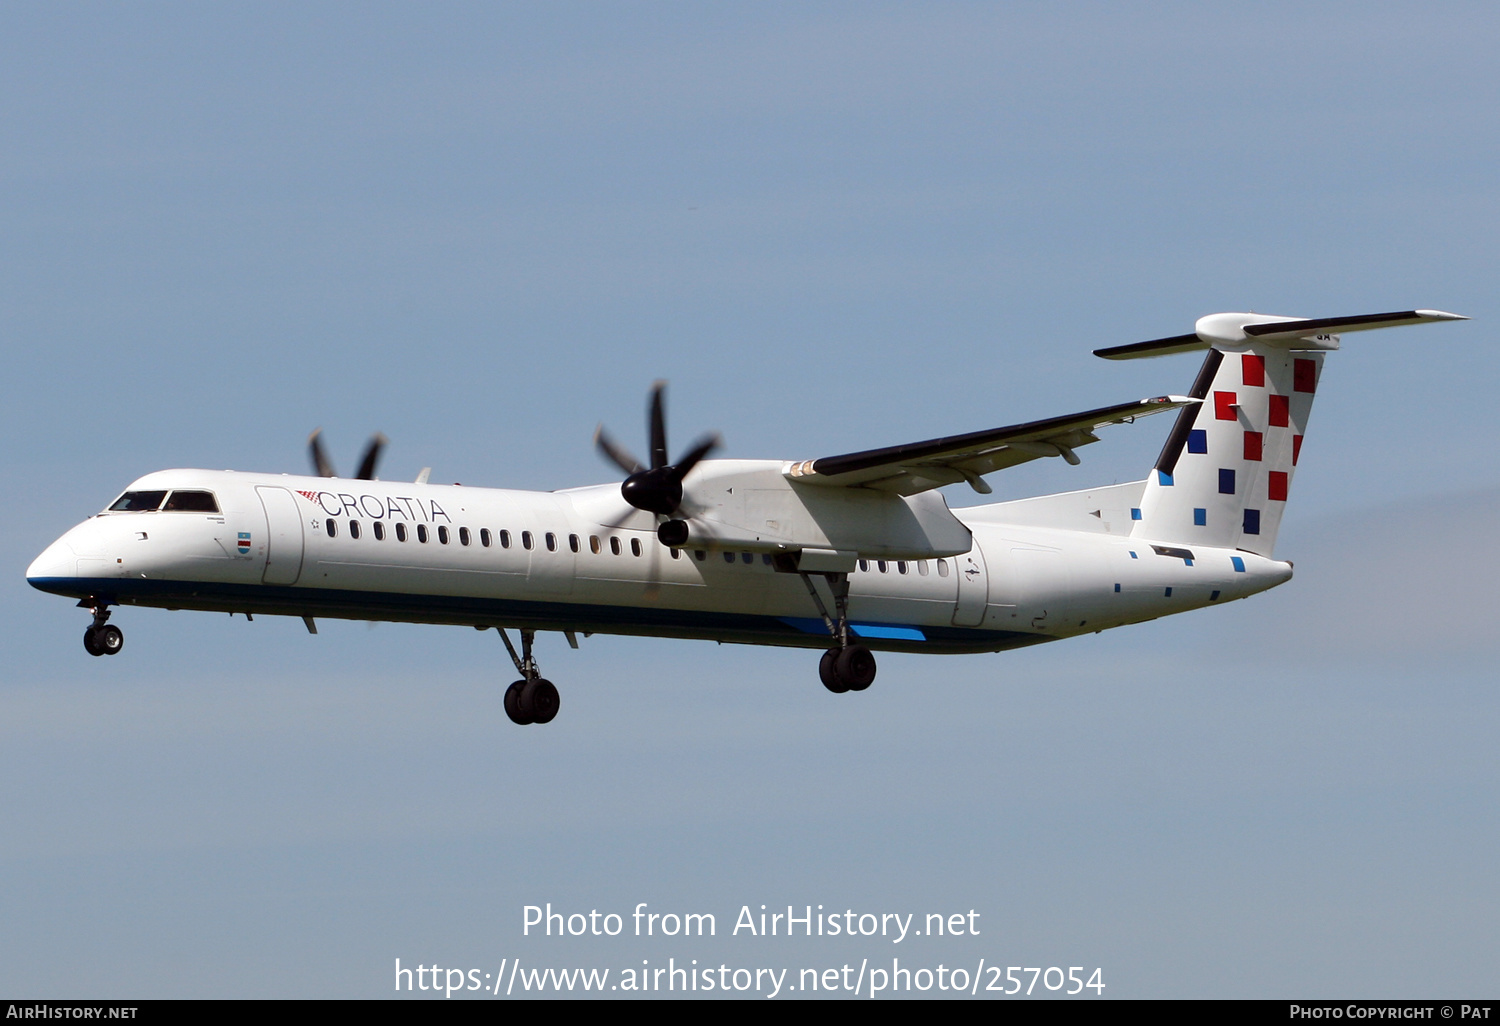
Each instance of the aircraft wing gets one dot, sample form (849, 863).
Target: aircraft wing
(919, 466)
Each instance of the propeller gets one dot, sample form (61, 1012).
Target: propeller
(323, 467)
(657, 488)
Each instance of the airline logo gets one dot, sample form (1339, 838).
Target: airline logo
(391, 507)
(244, 545)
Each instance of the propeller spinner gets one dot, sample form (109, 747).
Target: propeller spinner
(323, 467)
(657, 488)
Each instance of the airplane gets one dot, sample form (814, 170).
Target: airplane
(851, 553)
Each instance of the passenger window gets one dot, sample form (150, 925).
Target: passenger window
(942, 568)
(765, 557)
(505, 539)
(526, 540)
(700, 554)
(442, 534)
(594, 545)
(614, 546)
(864, 566)
(551, 542)
(635, 546)
(880, 565)
(422, 533)
(922, 567)
(900, 566)
(137, 502)
(332, 527)
(379, 530)
(729, 557)
(484, 537)
(573, 542)
(192, 502)
(747, 558)
(401, 532)
(676, 553)
(354, 528)
(463, 536)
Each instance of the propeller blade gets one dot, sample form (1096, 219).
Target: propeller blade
(372, 456)
(616, 454)
(658, 488)
(620, 521)
(320, 463)
(653, 571)
(707, 444)
(658, 425)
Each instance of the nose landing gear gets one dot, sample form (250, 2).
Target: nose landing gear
(102, 637)
(533, 698)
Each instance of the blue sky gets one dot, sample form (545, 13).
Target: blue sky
(482, 229)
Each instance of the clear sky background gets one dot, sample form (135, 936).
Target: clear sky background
(484, 228)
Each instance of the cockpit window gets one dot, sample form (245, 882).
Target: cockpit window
(137, 502)
(192, 502)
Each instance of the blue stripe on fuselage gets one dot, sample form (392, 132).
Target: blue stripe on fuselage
(809, 625)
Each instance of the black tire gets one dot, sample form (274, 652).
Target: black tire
(109, 639)
(855, 667)
(90, 645)
(828, 672)
(513, 703)
(540, 700)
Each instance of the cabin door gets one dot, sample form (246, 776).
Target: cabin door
(973, 588)
(283, 535)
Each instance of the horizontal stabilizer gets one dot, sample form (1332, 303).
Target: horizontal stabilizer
(1232, 328)
(1338, 325)
(1153, 347)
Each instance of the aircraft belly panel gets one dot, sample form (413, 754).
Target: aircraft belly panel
(302, 600)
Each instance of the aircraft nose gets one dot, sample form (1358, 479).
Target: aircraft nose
(58, 561)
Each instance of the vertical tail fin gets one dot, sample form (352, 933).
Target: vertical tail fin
(1224, 476)
(1225, 473)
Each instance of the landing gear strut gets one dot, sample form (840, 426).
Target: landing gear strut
(532, 699)
(846, 667)
(102, 637)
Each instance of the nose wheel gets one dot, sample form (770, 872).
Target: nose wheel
(102, 637)
(533, 698)
(531, 701)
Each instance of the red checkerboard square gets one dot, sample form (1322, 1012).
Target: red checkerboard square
(1281, 411)
(1304, 375)
(1276, 486)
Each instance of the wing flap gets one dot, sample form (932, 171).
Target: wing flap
(920, 466)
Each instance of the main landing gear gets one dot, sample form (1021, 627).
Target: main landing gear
(102, 637)
(851, 668)
(846, 667)
(533, 698)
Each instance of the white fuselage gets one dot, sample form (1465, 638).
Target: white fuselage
(580, 560)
